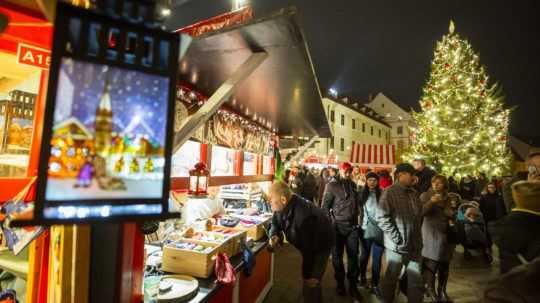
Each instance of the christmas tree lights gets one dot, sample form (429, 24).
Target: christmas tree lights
(462, 126)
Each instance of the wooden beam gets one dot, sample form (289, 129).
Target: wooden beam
(220, 96)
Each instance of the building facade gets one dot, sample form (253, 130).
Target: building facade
(350, 122)
(397, 118)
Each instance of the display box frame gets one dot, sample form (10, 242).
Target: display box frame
(65, 47)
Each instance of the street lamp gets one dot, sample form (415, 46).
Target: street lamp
(333, 92)
(239, 4)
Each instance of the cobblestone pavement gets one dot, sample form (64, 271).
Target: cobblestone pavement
(467, 279)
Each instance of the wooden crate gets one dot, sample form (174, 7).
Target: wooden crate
(256, 232)
(237, 237)
(226, 246)
(197, 264)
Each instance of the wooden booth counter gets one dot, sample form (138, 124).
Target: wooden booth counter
(247, 289)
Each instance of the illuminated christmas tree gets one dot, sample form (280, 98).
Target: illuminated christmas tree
(149, 166)
(462, 127)
(134, 166)
(119, 165)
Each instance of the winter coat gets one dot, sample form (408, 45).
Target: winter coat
(480, 186)
(309, 189)
(516, 233)
(424, 179)
(435, 229)
(342, 201)
(399, 215)
(467, 189)
(306, 227)
(492, 206)
(453, 187)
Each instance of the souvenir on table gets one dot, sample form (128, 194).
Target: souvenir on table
(109, 119)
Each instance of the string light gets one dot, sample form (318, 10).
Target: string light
(462, 128)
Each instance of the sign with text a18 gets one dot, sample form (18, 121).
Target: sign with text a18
(34, 56)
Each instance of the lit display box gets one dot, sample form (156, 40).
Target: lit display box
(108, 124)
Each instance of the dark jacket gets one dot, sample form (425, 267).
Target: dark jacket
(341, 200)
(306, 227)
(453, 186)
(467, 190)
(435, 229)
(516, 233)
(424, 179)
(309, 189)
(492, 206)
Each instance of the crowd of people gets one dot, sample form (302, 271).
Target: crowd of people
(415, 219)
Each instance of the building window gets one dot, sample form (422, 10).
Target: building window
(352, 144)
(382, 105)
(380, 133)
(363, 127)
(342, 144)
(372, 130)
(343, 120)
(400, 130)
(353, 124)
(332, 142)
(332, 116)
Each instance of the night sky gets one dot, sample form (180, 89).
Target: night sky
(365, 47)
(138, 100)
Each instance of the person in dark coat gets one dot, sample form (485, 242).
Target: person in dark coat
(516, 234)
(309, 188)
(424, 174)
(342, 202)
(437, 250)
(453, 186)
(492, 207)
(307, 228)
(323, 180)
(481, 185)
(467, 188)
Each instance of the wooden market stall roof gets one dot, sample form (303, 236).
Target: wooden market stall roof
(282, 93)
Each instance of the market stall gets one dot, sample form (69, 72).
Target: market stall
(280, 96)
(374, 156)
(24, 59)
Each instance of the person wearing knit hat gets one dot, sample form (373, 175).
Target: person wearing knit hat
(517, 233)
(341, 200)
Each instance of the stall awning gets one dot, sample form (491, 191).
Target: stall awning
(373, 154)
(282, 92)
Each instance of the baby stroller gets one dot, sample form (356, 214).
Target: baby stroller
(471, 230)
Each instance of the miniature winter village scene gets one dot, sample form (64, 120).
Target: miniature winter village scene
(108, 134)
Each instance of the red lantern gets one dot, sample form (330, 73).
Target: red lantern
(198, 180)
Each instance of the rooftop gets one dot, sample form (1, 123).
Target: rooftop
(358, 107)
